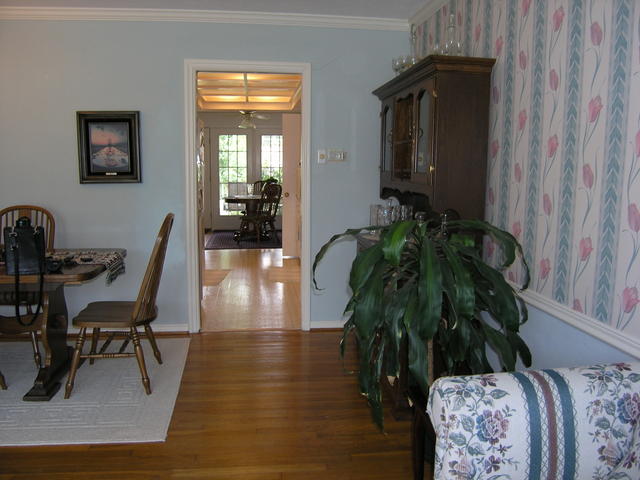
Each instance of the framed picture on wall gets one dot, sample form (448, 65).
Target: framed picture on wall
(109, 147)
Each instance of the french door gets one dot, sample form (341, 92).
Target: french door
(240, 157)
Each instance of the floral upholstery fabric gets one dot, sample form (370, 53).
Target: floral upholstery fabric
(565, 423)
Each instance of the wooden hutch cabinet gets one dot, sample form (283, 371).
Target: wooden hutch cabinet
(434, 136)
(434, 132)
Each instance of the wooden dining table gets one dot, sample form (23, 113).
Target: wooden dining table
(250, 201)
(51, 323)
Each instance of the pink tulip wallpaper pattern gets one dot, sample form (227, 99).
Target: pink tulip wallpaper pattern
(564, 146)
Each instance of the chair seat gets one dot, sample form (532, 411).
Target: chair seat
(111, 314)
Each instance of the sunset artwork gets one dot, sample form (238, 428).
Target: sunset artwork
(109, 146)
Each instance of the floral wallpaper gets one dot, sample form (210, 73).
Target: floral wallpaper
(564, 146)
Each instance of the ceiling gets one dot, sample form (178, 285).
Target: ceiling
(392, 9)
(229, 91)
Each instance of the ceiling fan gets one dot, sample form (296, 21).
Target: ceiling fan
(248, 117)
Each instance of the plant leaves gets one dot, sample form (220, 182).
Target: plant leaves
(464, 299)
(367, 310)
(502, 296)
(501, 345)
(418, 361)
(429, 290)
(363, 265)
(520, 347)
(394, 241)
(323, 250)
(507, 243)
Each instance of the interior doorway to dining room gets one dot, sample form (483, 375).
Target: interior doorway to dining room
(249, 288)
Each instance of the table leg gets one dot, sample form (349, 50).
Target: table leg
(57, 354)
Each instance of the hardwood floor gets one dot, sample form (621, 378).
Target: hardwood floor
(254, 405)
(250, 289)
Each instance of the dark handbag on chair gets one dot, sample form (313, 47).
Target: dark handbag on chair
(25, 255)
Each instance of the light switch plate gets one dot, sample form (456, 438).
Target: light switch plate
(322, 156)
(337, 155)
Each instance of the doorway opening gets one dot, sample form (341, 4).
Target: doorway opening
(195, 174)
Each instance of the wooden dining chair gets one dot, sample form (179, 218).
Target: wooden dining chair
(122, 318)
(259, 185)
(40, 217)
(264, 217)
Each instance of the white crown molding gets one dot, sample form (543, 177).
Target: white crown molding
(207, 16)
(612, 336)
(427, 11)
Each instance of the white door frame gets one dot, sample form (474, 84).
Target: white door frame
(191, 69)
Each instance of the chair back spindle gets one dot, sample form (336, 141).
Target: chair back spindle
(145, 306)
(40, 217)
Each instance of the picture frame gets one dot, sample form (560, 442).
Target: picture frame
(109, 146)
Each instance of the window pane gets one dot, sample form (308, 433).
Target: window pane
(232, 168)
(271, 156)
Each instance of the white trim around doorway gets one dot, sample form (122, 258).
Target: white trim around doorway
(191, 68)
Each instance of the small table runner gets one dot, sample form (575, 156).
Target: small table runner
(112, 259)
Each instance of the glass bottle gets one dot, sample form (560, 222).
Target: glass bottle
(451, 45)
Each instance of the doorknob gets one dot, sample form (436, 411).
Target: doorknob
(286, 194)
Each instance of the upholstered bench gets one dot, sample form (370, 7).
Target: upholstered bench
(565, 423)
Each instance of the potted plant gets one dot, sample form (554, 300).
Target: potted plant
(425, 281)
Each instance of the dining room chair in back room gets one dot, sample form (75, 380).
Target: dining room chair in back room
(263, 219)
(123, 317)
(258, 185)
(39, 217)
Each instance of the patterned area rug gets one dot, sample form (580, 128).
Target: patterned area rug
(107, 404)
(223, 240)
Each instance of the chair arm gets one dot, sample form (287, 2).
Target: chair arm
(553, 423)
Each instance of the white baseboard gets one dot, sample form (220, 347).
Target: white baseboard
(327, 324)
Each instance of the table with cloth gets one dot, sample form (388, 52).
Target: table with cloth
(79, 265)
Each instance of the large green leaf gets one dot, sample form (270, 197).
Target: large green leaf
(394, 241)
(397, 310)
(506, 242)
(429, 290)
(367, 312)
(369, 377)
(418, 360)
(363, 265)
(502, 295)
(352, 232)
(501, 345)
(520, 348)
(465, 297)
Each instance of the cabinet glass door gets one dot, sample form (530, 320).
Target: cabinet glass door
(402, 138)
(425, 132)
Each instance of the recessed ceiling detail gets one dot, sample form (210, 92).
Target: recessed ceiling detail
(230, 91)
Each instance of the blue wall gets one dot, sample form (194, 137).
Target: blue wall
(51, 69)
